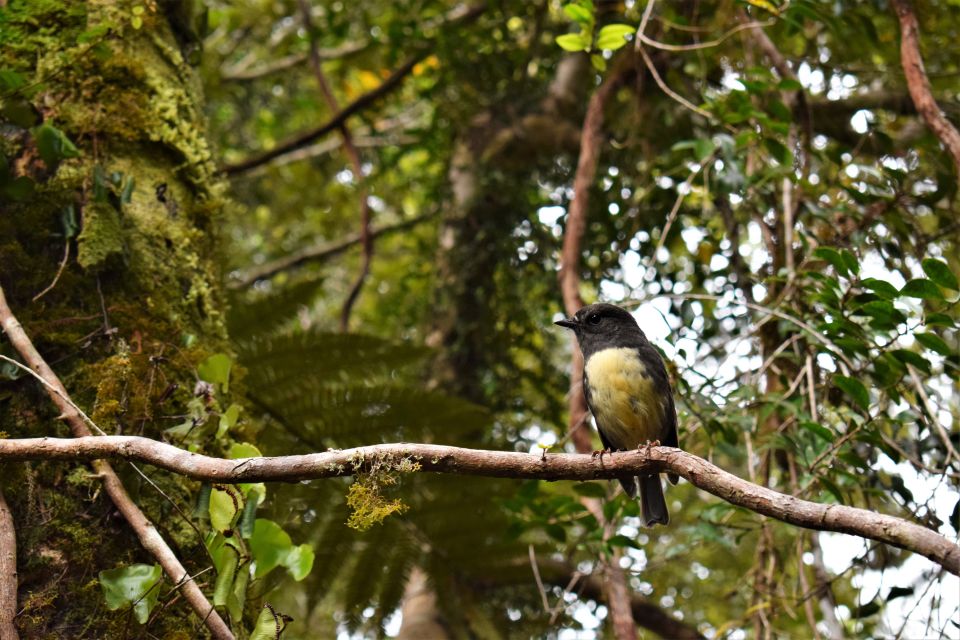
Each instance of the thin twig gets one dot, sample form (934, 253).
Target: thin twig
(932, 412)
(366, 238)
(703, 45)
(56, 278)
(148, 535)
(539, 581)
(8, 572)
(670, 92)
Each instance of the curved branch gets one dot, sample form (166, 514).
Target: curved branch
(918, 83)
(502, 464)
(149, 537)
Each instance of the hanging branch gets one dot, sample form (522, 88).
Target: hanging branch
(366, 237)
(8, 572)
(500, 464)
(919, 84)
(149, 537)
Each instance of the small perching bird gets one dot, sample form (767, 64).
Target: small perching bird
(628, 392)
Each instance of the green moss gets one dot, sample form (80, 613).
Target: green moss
(141, 276)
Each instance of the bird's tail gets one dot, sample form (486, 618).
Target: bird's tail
(629, 486)
(653, 505)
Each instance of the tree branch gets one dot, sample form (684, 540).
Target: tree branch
(501, 464)
(149, 537)
(918, 83)
(389, 85)
(8, 572)
(303, 139)
(317, 253)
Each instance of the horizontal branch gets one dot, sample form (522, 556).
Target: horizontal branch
(502, 464)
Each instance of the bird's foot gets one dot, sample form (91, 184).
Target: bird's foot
(647, 446)
(600, 452)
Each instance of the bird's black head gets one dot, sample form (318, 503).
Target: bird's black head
(599, 326)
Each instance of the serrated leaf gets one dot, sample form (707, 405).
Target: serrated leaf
(614, 36)
(134, 585)
(921, 288)
(225, 506)
(939, 272)
(855, 389)
(572, 42)
(269, 624)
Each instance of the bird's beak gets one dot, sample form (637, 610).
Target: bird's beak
(569, 323)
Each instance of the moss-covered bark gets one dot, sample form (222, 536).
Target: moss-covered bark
(105, 150)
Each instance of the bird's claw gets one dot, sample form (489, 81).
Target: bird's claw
(600, 452)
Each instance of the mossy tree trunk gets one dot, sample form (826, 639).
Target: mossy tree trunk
(106, 164)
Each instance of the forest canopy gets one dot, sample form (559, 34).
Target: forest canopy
(278, 283)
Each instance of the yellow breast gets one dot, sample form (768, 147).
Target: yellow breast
(622, 395)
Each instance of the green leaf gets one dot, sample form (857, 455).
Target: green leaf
(227, 419)
(202, 509)
(911, 357)
(226, 571)
(940, 273)
(851, 262)
(614, 36)
(53, 145)
(703, 148)
(269, 545)
(880, 287)
(556, 532)
(270, 624)
(939, 320)
(621, 540)
(855, 389)
(573, 42)
(579, 14)
(299, 561)
(818, 430)
(598, 62)
(921, 288)
(134, 585)
(934, 343)
(833, 256)
(216, 370)
(225, 506)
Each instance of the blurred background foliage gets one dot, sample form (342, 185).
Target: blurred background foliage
(788, 238)
(798, 205)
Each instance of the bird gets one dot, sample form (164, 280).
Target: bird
(628, 393)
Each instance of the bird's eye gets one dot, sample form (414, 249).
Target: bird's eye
(594, 318)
